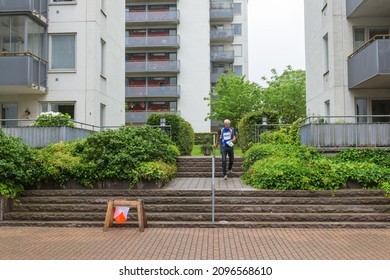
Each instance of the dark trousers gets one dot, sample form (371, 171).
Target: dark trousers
(227, 150)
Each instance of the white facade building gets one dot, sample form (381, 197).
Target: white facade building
(79, 50)
(348, 57)
(175, 51)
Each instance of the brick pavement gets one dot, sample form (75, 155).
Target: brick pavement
(33, 243)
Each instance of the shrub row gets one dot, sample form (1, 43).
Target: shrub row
(285, 166)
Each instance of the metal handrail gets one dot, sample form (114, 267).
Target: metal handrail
(369, 42)
(343, 117)
(5, 53)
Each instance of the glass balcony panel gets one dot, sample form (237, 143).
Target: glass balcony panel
(368, 8)
(153, 66)
(35, 7)
(141, 117)
(222, 35)
(370, 67)
(153, 91)
(22, 74)
(152, 41)
(227, 56)
(161, 16)
(221, 14)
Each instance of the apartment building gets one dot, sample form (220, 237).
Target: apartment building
(176, 50)
(348, 57)
(65, 56)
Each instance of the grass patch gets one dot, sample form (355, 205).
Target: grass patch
(197, 152)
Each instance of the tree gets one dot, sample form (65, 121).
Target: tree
(286, 94)
(232, 97)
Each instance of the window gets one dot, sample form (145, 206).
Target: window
(237, 69)
(237, 9)
(361, 35)
(62, 107)
(237, 50)
(361, 109)
(237, 28)
(63, 52)
(102, 57)
(380, 107)
(326, 53)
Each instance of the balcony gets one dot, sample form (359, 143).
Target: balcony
(22, 73)
(141, 117)
(222, 36)
(36, 8)
(169, 66)
(224, 15)
(153, 42)
(153, 91)
(171, 17)
(368, 8)
(369, 67)
(222, 57)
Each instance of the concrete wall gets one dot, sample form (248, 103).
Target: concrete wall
(194, 56)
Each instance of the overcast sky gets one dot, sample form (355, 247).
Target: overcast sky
(276, 37)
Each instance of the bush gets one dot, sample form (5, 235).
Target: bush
(246, 127)
(379, 157)
(53, 119)
(118, 153)
(60, 162)
(156, 171)
(182, 132)
(17, 165)
(260, 151)
(294, 174)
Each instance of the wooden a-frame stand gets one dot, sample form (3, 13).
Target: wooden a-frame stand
(111, 204)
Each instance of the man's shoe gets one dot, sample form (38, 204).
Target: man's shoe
(230, 171)
(225, 177)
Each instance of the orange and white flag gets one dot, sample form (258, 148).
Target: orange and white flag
(120, 214)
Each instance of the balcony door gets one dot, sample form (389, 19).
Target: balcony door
(9, 111)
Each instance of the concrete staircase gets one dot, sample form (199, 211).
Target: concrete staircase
(179, 208)
(202, 166)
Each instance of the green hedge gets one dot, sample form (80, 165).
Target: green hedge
(17, 165)
(181, 131)
(246, 127)
(286, 167)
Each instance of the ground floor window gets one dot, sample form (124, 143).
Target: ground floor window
(62, 107)
(373, 107)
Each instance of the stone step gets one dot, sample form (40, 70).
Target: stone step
(203, 174)
(205, 169)
(112, 193)
(229, 208)
(203, 216)
(218, 200)
(237, 159)
(205, 224)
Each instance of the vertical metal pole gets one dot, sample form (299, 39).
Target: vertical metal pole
(213, 184)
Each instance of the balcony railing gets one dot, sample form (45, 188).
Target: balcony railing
(153, 41)
(221, 4)
(368, 8)
(346, 131)
(141, 117)
(22, 73)
(222, 15)
(37, 8)
(369, 66)
(150, 17)
(222, 56)
(153, 66)
(153, 91)
(222, 35)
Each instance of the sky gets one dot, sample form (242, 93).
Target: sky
(276, 37)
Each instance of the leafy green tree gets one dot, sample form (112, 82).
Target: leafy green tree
(232, 97)
(286, 94)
